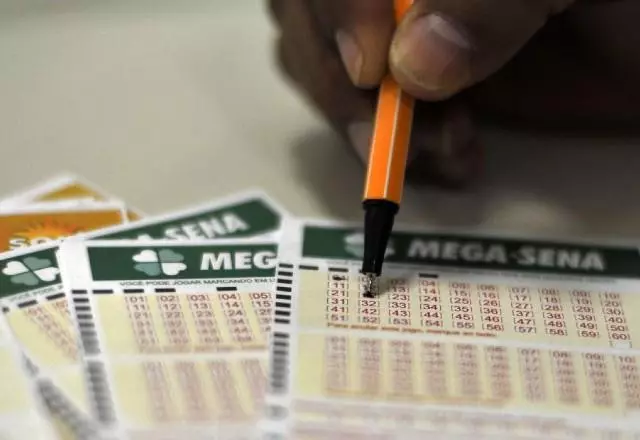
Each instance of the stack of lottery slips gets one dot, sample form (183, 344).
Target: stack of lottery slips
(233, 320)
(469, 336)
(61, 206)
(50, 329)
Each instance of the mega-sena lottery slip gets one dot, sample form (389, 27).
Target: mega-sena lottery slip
(173, 334)
(467, 336)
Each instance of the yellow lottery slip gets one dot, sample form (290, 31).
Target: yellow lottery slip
(174, 335)
(30, 225)
(467, 337)
(65, 187)
(36, 310)
(22, 414)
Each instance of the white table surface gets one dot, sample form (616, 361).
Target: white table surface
(170, 103)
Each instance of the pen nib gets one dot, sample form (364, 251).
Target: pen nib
(371, 285)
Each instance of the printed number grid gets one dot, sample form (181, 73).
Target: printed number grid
(46, 331)
(448, 373)
(429, 305)
(175, 391)
(179, 358)
(184, 322)
(317, 421)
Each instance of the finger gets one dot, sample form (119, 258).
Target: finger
(580, 100)
(561, 83)
(317, 71)
(445, 46)
(611, 32)
(361, 30)
(445, 144)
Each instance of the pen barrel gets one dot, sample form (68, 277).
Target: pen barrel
(390, 143)
(387, 165)
(401, 7)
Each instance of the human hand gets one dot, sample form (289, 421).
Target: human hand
(559, 64)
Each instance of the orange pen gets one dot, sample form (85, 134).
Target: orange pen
(386, 169)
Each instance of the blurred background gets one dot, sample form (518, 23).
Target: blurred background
(170, 103)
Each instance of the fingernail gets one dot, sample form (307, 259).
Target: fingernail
(360, 136)
(351, 55)
(433, 53)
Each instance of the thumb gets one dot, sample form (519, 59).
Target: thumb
(444, 46)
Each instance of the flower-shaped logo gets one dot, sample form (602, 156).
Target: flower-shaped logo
(31, 271)
(164, 261)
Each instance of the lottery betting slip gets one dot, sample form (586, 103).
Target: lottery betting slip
(468, 336)
(173, 334)
(37, 309)
(65, 187)
(21, 414)
(24, 226)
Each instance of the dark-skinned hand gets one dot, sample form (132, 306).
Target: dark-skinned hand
(568, 65)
